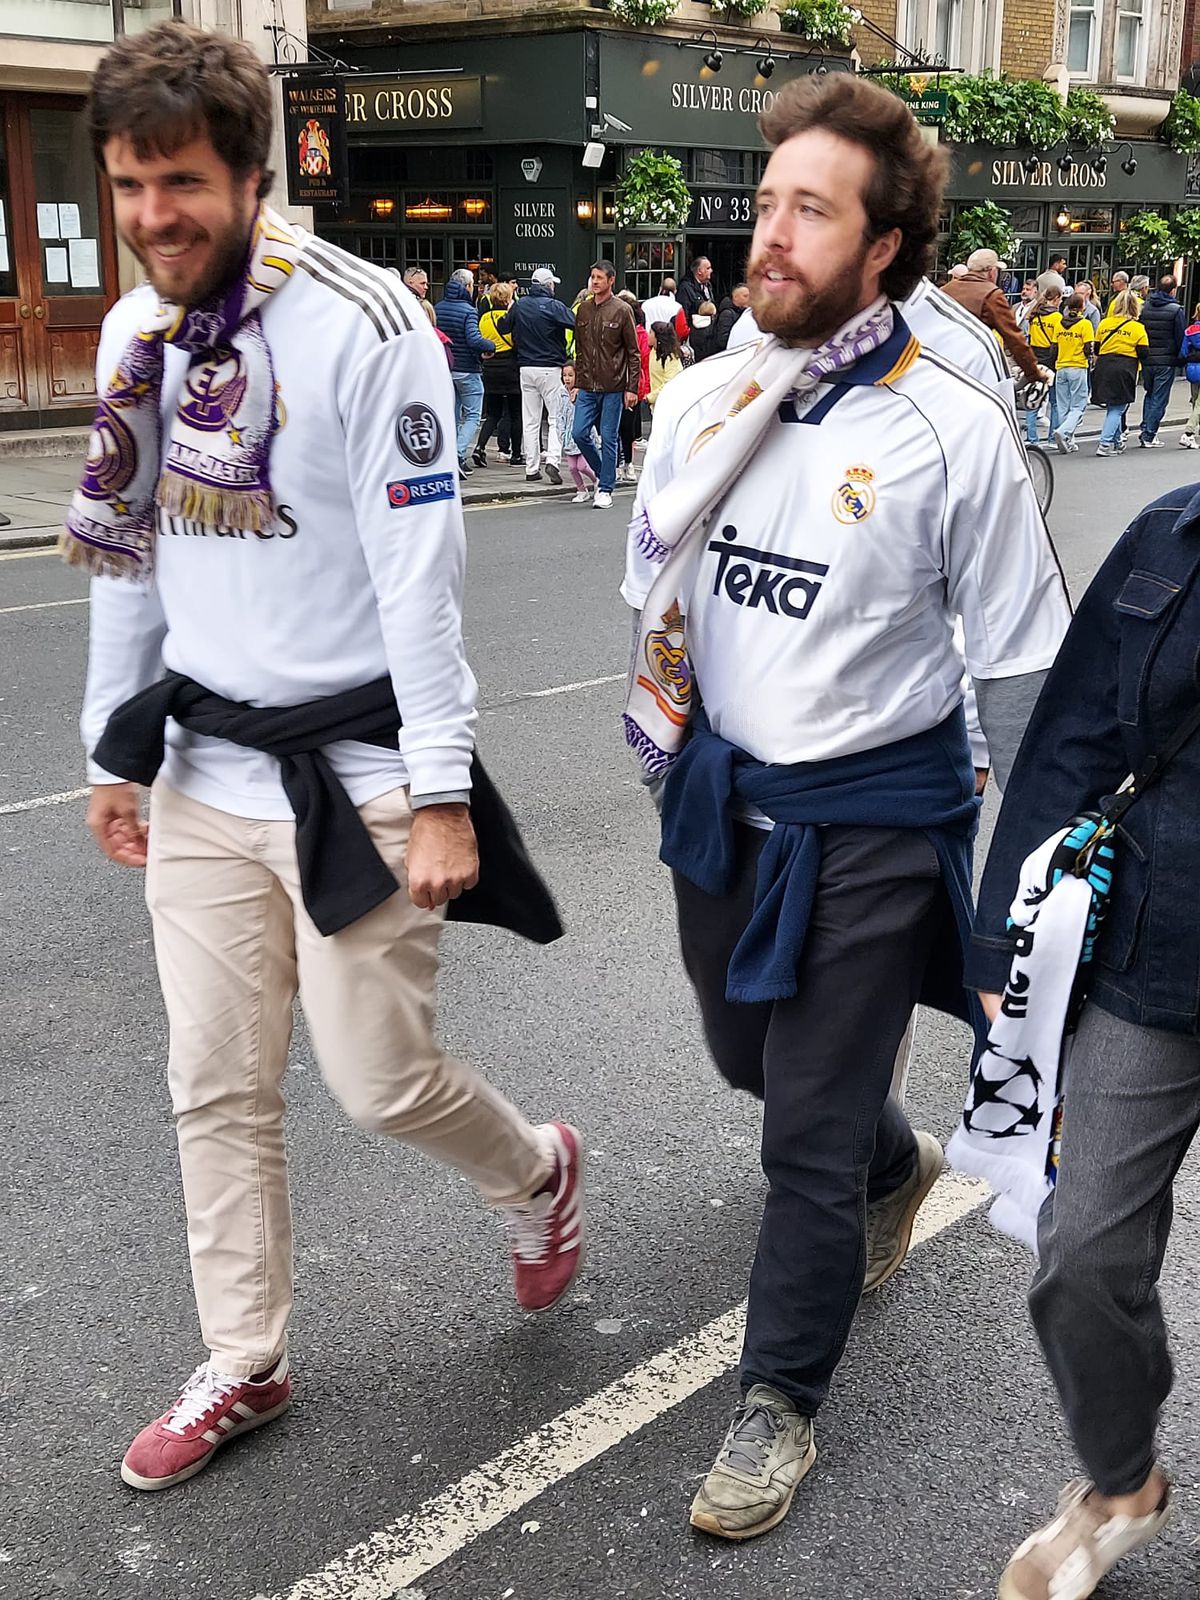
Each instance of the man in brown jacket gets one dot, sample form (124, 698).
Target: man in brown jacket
(607, 371)
(978, 291)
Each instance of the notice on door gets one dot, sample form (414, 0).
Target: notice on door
(85, 263)
(47, 221)
(56, 265)
(68, 222)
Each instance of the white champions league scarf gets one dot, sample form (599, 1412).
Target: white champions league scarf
(730, 428)
(1010, 1127)
(213, 466)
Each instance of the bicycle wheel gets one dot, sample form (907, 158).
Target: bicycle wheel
(1042, 474)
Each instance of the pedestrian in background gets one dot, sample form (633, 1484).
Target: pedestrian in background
(666, 362)
(608, 367)
(501, 384)
(582, 475)
(1045, 320)
(459, 321)
(697, 286)
(631, 416)
(1141, 288)
(486, 279)
(731, 310)
(1122, 691)
(1165, 324)
(663, 306)
(417, 279)
(1075, 356)
(1118, 286)
(1120, 346)
(1189, 354)
(240, 685)
(978, 290)
(703, 337)
(1024, 306)
(538, 324)
(1091, 309)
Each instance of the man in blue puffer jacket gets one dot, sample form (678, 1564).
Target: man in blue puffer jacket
(1189, 354)
(459, 321)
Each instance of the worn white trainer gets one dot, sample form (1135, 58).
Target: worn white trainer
(1068, 1558)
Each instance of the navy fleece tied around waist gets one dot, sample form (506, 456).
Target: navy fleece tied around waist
(926, 782)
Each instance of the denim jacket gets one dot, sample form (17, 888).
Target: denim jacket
(1125, 679)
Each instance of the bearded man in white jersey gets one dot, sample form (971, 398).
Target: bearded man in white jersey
(813, 514)
(270, 510)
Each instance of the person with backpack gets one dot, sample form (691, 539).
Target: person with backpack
(1163, 318)
(1189, 354)
(1120, 348)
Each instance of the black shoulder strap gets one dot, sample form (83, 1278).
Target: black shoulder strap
(1116, 805)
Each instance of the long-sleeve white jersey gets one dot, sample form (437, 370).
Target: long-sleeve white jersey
(361, 574)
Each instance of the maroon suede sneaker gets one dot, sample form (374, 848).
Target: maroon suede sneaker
(211, 1410)
(547, 1231)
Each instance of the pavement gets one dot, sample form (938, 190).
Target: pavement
(36, 488)
(442, 1443)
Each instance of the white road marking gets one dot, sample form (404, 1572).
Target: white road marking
(28, 555)
(78, 794)
(414, 1544)
(43, 800)
(43, 605)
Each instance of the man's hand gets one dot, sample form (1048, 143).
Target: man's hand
(443, 858)
(990, 1004)
(115, 818)
(1046, 374)
(631, 399)
(981, 778)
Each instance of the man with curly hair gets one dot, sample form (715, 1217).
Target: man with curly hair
(814, 512)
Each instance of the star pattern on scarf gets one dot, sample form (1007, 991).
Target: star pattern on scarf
(1004, 1096)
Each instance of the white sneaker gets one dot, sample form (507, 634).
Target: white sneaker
(1188, 441)
(602, 501)
(580, 498)
(1068, 1558)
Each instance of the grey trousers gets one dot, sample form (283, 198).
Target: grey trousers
(1132, 1110)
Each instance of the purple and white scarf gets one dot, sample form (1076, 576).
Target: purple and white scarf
(729, 430)
(214, 467)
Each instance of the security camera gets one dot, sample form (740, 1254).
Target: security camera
(616, 123)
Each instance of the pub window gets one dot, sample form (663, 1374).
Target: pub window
(430, 255)
(1025, 219)
(379, 166)
(718, 166)
(947, 29)
(646, 262)
(381, 248)
(480, 168)
(1128, 52)
(1083, 38)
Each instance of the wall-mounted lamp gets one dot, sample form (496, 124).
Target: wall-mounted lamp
(765, 65)
(1065, 162)
(1031, 163)
(1129, 165)
(1063, 220)
(383, 207)
(585, 210)
(714, 57)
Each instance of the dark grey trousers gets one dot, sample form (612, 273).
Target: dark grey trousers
(1132, 1110)
(821, 1063)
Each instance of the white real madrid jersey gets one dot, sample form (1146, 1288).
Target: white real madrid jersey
(361, 574)
(820, 610)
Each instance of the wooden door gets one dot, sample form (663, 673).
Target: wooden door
(60, 255)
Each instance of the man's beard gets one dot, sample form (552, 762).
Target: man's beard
(808, 316)
(230, 249)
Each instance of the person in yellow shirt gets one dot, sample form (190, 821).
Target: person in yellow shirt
(1042, 330)
(665, 361)
(1120, 348)
(1075, 358)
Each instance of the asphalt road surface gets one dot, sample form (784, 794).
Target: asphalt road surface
(443, 1443)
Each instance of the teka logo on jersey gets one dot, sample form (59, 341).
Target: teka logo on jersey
(783, 585)
(419, 434)
(418, 491)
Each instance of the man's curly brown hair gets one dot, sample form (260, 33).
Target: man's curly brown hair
(906, 187)
(174, 83)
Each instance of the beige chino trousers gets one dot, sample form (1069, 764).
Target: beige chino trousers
(235, 946)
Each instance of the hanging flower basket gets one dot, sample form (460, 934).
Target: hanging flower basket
(643, 13)
(739, 10)
(982, 227)
(653, 193)
(820, 21)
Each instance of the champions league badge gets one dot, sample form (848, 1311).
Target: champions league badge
(419, 434)
(854, 498)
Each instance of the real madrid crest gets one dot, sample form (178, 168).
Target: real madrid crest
(854, 498)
